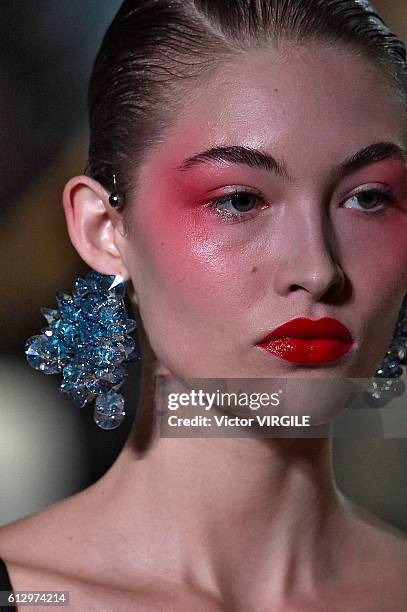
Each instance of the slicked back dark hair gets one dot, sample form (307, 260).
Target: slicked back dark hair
(156, 51)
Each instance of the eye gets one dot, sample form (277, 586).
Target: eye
(237, 205)
(372, 200)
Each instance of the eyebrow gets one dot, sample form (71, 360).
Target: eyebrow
(377, 152)
(256, 158)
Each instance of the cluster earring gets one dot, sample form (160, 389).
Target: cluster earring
(386, 384)
(87, 341)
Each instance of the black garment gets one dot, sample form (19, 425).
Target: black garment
(5, 585)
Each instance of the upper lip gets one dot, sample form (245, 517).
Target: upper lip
(302, 327)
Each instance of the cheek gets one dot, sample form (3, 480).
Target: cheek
(374, 254)
(195, 276)
(198, 265)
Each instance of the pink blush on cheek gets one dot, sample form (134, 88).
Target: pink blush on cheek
(399, 247)
(375, 253)
(384, 238)
(198, 263)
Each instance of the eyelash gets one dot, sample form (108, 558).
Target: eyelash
(238, 216)
(384, 195)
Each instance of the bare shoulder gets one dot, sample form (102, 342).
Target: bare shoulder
(42, 550)
(49, 551)
(85, 594)
(382, 550)
(38, 536)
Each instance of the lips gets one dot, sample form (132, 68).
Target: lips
(306, 341)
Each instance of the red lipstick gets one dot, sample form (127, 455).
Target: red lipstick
(305, 341)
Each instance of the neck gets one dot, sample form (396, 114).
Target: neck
(224, 514)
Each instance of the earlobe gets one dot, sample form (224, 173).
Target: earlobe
(91, 225)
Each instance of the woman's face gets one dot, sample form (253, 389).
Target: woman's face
(320, 233)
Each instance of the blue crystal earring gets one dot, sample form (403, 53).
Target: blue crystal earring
(87, 341)
(386, 383)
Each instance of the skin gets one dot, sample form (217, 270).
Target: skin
(240, 524)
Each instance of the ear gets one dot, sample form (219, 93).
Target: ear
(94, 227)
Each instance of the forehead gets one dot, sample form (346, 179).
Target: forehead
(309, 105)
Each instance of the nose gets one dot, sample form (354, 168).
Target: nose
(307, 259)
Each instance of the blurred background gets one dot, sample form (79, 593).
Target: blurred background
(50, 449)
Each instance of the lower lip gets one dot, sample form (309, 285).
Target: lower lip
(300, 350)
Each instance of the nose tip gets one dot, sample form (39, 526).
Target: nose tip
(314, 271)
(319, 283)
(307, 251)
